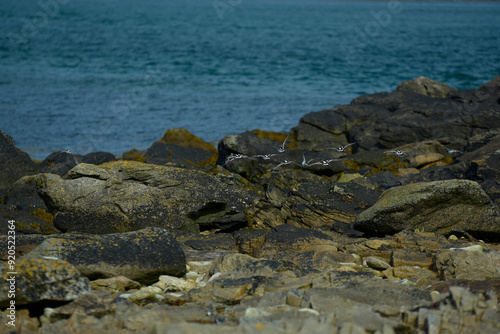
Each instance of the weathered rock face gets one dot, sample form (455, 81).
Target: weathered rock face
(417, 111)
(23, 204)
(41, 280)
(468, 263)
(14, 163)
(140, 255)
(304, 199)
(127, 195)
(426, 86)
(440, 206)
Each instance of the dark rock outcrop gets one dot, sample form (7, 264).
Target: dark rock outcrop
(140, 255)
(125, 195)
(307, 200)
(14, 163)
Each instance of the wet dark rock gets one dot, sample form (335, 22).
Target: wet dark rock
(140, 255)
(14, 163)
(97, 158)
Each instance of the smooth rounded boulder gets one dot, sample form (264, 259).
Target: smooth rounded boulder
(442, 207)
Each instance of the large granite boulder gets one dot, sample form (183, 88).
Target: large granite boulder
(440, 206)
(127, 195)
(41, 279)
(139, 255)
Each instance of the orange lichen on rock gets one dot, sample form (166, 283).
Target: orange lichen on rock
(44, 215)
(182, 137)
(135, 155)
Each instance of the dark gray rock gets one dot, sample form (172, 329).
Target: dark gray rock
(58, 163)
(14, 163)
(419, 110)
(440, 206)
(41, 279)
(140, 255)
(126, 195)
(180, 156)
(24, 205)
(97, 158)
(307, 200)
(248, 144)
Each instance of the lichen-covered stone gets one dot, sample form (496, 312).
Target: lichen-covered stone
(141, 255)
(440, 206)
(127, 195)
(41, 279)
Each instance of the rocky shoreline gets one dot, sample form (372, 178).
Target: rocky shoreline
(381, 216)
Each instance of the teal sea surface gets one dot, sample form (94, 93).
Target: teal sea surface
(112, 75)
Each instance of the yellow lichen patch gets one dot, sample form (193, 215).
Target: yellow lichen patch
(42, 214)
(132, 154)
(140, 159)
(443, 162)
(209, 162)
(393, 167)
(183, 137)
(351, 164)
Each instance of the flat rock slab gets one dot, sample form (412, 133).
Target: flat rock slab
(141, 255)
(441, 207)
(123, 196)
(40, 279)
